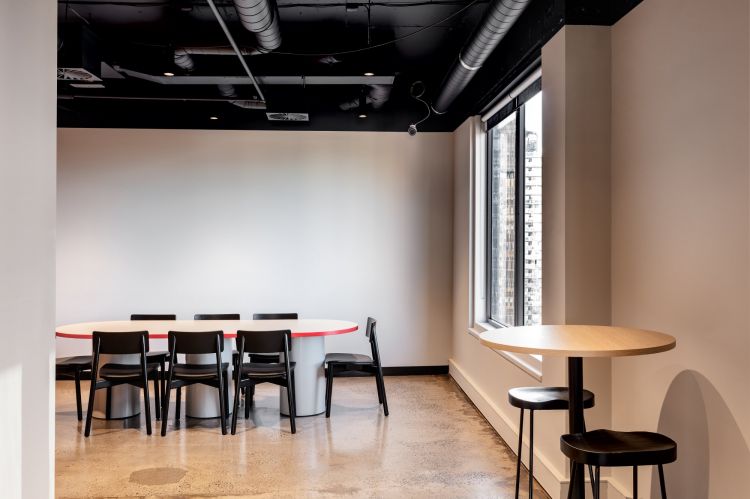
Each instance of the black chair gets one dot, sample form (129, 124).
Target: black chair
(617, 448)
(539, 398)
(247, 375)
(159, 356)
(109, 375)
(270, 317)
(179, 375)
(74, 367)
(345, 364)
(216, 317)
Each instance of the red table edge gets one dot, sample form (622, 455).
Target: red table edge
(163, 336)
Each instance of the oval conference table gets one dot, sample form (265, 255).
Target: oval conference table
(575, 343)
(308, 352)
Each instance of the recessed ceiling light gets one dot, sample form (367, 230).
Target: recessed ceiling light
(214, 118)
(168, 74)
(369, 74)
(363, 116)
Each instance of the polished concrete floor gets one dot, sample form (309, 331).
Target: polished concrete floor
(434, 444)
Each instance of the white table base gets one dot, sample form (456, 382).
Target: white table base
(202, 401)
(308, 352)
(126, 399)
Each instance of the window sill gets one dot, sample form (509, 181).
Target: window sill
(530, 364)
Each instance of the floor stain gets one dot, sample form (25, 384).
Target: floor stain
(157, 476)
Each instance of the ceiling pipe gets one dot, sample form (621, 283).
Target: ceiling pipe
(498, 19)
(262, 18)
(236, 49)
(229, 92)
(183, 59)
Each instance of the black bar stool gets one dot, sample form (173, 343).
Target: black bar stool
(539, 398)
(617, 448)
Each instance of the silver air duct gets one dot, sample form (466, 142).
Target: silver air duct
(228, 91)
(500, 16)
(260, 17)
(183, 59)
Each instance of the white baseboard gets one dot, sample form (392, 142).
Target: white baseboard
(550, 478)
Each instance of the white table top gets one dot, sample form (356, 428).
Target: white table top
(159, 329)
(578, 340)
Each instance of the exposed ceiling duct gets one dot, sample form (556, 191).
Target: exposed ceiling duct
(183, 59)
(262, 18)
(500, 16)
(376, 97)
(228, 91)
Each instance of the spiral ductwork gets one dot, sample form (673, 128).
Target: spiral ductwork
(260, 17)
(497, 21)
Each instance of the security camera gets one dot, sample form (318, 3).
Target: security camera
(412, 129)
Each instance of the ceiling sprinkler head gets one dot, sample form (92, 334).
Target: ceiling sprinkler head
(412, 129)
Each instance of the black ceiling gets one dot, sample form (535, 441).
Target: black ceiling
(141, 35)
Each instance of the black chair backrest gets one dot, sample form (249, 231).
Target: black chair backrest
(272, 317)
(370, 333)
(153, 317)
(264, 341)
(189, 342)
(115, 343)
(216, 317)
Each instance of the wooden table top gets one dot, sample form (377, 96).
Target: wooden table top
(578, 340)
(159, 329)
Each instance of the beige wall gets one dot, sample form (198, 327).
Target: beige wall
(328, 224)
(27, 258)
(680, 260)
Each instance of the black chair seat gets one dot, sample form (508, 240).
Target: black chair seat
(121, 371)
(80, 361)
(197, 371)
(348, 358)
(617, 448)
(545, 398)
(265, 369)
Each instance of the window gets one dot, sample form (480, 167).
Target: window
(513, 266)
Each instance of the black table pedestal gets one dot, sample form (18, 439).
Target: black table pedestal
(575, 421)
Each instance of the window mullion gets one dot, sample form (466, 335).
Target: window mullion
(519, 215)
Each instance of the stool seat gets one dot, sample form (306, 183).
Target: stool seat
(618, 448)
(545, 398)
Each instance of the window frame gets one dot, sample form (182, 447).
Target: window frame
(516, 105)
(480, 221)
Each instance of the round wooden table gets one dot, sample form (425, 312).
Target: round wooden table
(575, 343)
(308, 352)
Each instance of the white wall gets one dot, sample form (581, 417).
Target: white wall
(27, 259)
(680, 248)
(330, 225)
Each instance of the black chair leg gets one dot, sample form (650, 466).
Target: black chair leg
(531, 454)
(222, 405)
(662, 485)
(157, 398)
(178, 405)
(108, 409)
(165, 409)
(635, 482)
(236, 404)
(382, 389)
(79, 405)
(290, 401)
(251, 391)
(518, 456)
(294, 394)
(147, 404)
(329, 390)
(89, 413)
(593, 481)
